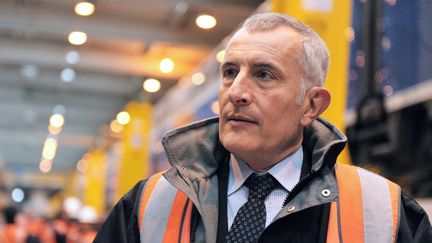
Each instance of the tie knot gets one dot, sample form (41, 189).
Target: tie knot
(260, 185)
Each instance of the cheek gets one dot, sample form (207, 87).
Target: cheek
(222, 100)
(280, 115)
(221, 104)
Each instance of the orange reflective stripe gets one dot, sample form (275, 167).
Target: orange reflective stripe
(332, 230)
(367, 210)
(164, 212)
(394, 197)
(350, 203)
(174, 225)
(148, 188)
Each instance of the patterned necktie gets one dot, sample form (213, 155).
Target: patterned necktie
(250, 220)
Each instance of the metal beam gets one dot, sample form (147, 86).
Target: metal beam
(52, 98)
(18, 52)
(84, 83)
(11, 137)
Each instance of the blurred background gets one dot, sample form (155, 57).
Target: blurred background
(87, 89)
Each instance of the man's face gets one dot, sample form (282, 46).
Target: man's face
(259, 116)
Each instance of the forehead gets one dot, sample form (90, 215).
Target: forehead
(281, 43)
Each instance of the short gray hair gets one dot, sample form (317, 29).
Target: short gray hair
(315, 58)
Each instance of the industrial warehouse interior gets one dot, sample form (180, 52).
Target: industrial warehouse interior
(88, 88)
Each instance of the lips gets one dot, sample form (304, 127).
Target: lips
(240, 118)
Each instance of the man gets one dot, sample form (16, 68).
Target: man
(265, 170)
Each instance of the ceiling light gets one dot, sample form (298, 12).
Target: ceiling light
(123, 118)
(205, 21)
(29, 71)
(116, 127)
(220, 56)
(77, 38)
(45, 165)
(166, 65)
(17, 195)
(67, 75)
(71, 206)
(49, 149)
(198, 78)
(151, 85)
(87, 215)
(72, 57)
(56, 120)
(85, 8)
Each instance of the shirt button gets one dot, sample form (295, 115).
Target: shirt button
(290, 208)
(325, 192)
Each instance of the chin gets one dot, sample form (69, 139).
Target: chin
(237, 145)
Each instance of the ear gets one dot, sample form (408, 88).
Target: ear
(316, 101)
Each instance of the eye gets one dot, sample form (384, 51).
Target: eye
(229, 73)
(264, 75)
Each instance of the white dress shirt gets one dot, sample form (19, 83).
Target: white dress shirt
(286, 172)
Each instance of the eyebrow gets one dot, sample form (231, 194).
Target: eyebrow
(228, 64)
(258, 65)
(255, 65)
(264, 65)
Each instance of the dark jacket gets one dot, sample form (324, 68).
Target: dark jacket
(200, 170)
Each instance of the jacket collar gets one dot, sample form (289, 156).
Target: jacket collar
(195, 150)
(323, 142)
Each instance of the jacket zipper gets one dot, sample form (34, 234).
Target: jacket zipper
(194, 224)
(296, 188)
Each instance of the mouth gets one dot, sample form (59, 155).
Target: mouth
(240, 119)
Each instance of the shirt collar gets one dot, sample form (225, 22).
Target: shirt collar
(286, 172)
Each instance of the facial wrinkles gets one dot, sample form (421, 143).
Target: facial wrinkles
(255, 54)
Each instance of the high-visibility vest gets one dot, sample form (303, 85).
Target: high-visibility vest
(165, 213)
(367, 210)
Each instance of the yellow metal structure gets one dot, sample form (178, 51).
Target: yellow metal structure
(94, 189)
(331, 19)
(134, 159)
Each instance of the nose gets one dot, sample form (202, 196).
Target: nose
(239, 92)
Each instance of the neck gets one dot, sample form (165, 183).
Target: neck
(260, 168)
(263, 163)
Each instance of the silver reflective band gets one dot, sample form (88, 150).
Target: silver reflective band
(156, 213)
(377, 209)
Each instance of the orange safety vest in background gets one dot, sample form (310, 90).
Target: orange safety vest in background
(11, 233)
(367, 209)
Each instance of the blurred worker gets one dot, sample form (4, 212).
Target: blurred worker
(39, 231)
(265, 170)
(87, 233)
(11, 232)
(60, 226)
